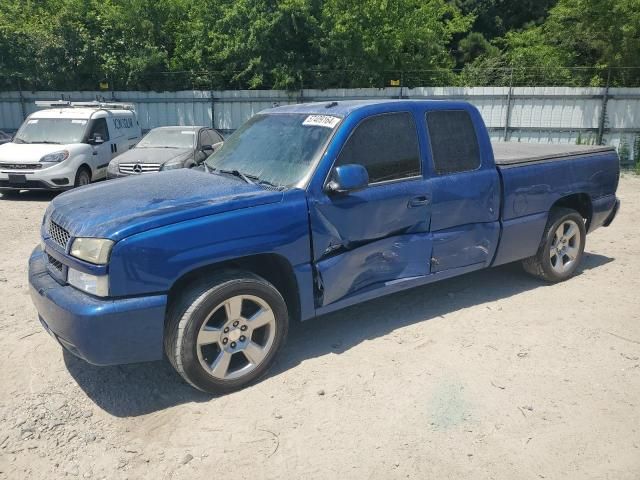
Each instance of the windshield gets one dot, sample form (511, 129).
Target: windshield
(165, 138)
(275, 148)
(51, 130)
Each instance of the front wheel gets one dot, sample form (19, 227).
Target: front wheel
(561, 248)
(223, 334)
(83, 177)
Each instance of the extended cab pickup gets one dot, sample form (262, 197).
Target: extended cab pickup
(306, 209)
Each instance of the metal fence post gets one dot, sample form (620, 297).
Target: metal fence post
(213, 112)
(603, 109)
(507, 117)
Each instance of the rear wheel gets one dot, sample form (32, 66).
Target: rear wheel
(561, 248)
(223, 334)
(83, 177)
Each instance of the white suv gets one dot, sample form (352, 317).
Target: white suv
(67, 145)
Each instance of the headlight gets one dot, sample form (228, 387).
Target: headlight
(113, 167)
(94, 284)
(172, 165)
(93, 250)
(56, 157)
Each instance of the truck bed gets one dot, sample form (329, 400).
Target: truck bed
(508, 154)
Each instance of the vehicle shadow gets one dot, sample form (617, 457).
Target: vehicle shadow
(132, 390)
(29, 196)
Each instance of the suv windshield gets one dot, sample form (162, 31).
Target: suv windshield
(275, 148)
(168, 138)
(51, 130)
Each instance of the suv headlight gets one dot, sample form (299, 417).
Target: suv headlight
(172, 165)
(93, 250)
(113, 167)
(56, 157)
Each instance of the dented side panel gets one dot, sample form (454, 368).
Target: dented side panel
(372, 265)
(464, 245)
(369, 237)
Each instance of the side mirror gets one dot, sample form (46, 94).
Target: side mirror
(96, 139)
(348, 178)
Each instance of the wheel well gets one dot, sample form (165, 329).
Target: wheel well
(85, 167)
(272, 267)
(580, 202)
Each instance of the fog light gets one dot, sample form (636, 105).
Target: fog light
(97, 285)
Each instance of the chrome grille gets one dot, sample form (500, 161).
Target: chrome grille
(137, 168)
(54, 263)
(58, 234)
(20, 166)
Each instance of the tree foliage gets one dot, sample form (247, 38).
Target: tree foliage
(291, 44)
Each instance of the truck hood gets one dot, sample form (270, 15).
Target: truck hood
(119, 208)
(28, 152)
(153, 155)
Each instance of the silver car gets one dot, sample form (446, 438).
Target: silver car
(167, 148)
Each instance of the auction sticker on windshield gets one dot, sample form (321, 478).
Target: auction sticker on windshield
(321, 121)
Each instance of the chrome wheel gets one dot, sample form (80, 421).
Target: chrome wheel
(236, 337)
(565, 246)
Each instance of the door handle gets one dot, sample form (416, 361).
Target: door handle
(420, 201)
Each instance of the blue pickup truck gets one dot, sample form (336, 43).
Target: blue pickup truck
(305, 210)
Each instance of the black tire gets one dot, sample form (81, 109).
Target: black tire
(83, 177)
(541, 264)
(205, 301)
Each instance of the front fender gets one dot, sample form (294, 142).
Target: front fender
(151, 261)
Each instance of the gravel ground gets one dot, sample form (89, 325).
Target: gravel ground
(490, 375)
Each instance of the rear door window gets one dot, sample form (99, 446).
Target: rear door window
(454, 144)
(386, 145)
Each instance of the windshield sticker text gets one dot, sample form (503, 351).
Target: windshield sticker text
(321, 121)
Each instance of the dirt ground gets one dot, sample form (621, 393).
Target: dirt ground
(490, 375)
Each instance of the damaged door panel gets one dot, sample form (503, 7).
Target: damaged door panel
(373, 264)
(362, 239)
(370, 237)
(464, 245)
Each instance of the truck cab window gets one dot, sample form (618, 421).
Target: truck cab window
(386, 145)
(454, 144)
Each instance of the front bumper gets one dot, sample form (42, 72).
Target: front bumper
(54, 177)
(100, 331)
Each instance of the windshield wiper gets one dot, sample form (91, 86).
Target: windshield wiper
(271, 184)
(236, 173)
(251, 179)
(19, 140)
(52, 143)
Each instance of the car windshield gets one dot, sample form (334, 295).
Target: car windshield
(275, 148)
(51, 130)
(168, 138)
